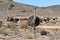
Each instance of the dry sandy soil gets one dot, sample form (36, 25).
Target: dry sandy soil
(26, 34)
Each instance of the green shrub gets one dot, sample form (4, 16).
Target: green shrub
(13, 27)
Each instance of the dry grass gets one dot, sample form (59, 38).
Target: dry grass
(23, 24)
(13, 27)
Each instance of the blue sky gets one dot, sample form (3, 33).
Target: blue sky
(40, 3)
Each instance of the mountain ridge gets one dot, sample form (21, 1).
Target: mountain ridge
(18, 9)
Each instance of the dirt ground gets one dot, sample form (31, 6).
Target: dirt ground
(25, 34)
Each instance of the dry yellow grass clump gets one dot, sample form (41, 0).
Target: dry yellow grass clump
(23, 24)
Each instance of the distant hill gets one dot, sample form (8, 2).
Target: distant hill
(54, 7)
(11, 8)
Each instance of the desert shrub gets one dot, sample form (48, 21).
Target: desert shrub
(13, 27)
(11, 6)
(0, 23)
(23, 24)
(23, 10)
(30, 10)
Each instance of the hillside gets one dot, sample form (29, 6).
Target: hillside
(11, 8)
